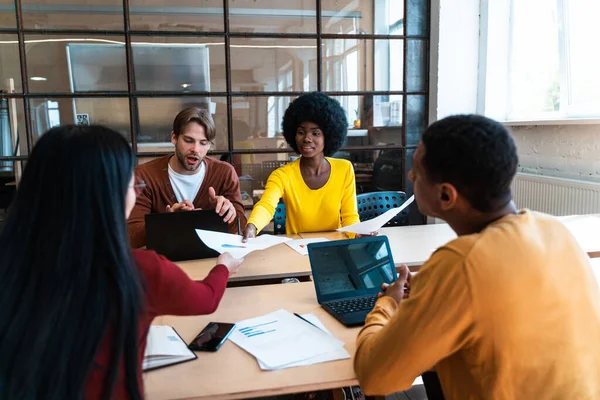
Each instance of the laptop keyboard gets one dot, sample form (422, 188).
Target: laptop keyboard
(352, 305)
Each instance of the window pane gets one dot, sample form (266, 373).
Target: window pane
(10, 68)
(257, 122)
(415, 118)
(76, 63)
(8, 17)
(363, 16)
(290, 16)
(112, 112)
(176, 15)
(254, 170)
(181, 64)
(534, 81)
(85, 15)
(416, 71)
(13, 139)
(348, 64)
(284, 65)
(156, 117)
(417, 18)
(373, 120)
(584, 58)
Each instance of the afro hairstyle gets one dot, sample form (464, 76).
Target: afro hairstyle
(322, 110)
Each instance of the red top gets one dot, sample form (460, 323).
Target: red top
(169, 291)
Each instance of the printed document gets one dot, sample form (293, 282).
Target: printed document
(232, 244)
(373, 225)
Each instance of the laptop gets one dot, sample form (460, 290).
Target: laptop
(173, 234)
(348, 275)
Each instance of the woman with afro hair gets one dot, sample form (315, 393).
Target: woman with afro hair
(319, 192)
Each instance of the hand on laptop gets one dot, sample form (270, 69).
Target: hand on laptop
(222, 206)
(401, 288)
(231, 263)
(249, 232)
(185, 205)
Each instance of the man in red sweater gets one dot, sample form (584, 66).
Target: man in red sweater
(188, 179)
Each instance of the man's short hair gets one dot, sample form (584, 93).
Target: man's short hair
(198, 115)
(475, 154)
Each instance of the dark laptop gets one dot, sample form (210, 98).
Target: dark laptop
(173, 234)
(348, 275)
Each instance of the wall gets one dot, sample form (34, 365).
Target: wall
(562, 150)
(567, 151)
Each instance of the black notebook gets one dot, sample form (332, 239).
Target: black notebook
(165, 347)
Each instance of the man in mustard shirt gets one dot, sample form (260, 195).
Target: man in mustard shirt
(508, 310)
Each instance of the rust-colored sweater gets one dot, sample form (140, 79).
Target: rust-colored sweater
(159, 193)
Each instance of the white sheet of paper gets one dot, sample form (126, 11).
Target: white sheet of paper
(339, 354)
(280, 338)
(373, 225)
(300, 245)
(227, 242)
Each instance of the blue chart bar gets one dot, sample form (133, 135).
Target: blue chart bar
(254, 330)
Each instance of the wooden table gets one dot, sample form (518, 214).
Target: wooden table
(231, 373)
(277, 262)
(410, 245)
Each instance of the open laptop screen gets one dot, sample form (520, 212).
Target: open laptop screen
(356, 265)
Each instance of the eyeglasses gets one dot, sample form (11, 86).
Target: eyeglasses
(138, 185)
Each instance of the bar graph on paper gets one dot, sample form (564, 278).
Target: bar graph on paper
(260, 329)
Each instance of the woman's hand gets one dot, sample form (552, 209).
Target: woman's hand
(249, 232)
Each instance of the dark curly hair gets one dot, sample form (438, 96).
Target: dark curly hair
(475, 154)
(322, 110)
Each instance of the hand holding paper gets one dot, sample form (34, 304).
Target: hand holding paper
(226, 242)
(372, 225)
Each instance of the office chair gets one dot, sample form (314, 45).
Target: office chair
(279, 218)
(371, 205)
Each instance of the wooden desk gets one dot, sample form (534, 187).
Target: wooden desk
(277, 262)
(231, 373)
(411, 245)
(596, 268)
(586, 229)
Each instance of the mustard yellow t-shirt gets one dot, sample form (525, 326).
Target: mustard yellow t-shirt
(512, 312)
(325, 209)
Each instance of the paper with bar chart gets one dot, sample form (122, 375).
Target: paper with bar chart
(281, 338)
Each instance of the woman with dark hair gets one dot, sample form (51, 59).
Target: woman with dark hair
(319, 192)
(77, 303)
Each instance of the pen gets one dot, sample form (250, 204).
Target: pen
(239, 227)
(305, 320)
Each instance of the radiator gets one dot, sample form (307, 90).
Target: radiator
(556, 196)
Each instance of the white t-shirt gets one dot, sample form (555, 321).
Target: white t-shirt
(186, 186)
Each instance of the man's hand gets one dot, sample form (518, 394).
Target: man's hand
(401, 288)
(231, 263)
(185, 205)
(223, 207)
(249, 232)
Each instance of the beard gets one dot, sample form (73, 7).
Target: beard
(185, 163)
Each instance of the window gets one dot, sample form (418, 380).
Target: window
(243, 60)
(541, 59)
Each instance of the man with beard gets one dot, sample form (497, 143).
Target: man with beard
(188, 180)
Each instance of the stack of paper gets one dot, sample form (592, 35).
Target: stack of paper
(283, 340)
(165, 347)
(226, 242)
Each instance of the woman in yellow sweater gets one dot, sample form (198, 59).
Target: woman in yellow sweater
(319, 192)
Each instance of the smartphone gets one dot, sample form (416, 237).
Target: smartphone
(212, 337)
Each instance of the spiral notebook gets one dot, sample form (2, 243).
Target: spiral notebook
(165, 347)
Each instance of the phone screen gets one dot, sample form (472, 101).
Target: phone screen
(211, 337)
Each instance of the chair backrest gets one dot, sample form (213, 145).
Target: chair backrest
(279, 218)
(371, 205)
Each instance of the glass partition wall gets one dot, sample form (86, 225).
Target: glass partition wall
(133, 64)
